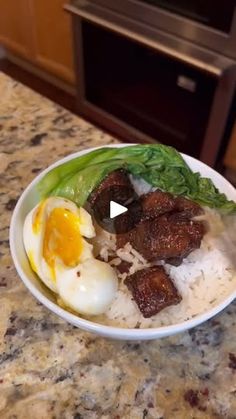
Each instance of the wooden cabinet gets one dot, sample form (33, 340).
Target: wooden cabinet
(52, 37)
(39, 31)
(15, 26)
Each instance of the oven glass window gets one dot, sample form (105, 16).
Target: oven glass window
(216, 14)
(158, 96)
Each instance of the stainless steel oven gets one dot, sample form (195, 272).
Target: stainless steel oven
(209, 23)
(143, 77)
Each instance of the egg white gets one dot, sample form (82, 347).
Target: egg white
(89, 288)
(33, 240)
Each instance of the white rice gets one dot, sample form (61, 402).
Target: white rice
(204, 279)
(140, 185)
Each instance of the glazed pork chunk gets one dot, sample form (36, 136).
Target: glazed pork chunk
(187, 208)
(166, 230)
(164, 238)
(152, 290)
(156, 203)
(115, 187)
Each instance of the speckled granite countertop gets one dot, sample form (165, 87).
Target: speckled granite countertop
(49, 369)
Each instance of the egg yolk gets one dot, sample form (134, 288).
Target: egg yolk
(32, 262)
(62, 238)
(37, 221)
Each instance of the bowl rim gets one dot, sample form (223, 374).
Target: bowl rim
(89, 325)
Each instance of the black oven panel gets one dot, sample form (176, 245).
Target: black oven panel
(163, 98)
(145, 84)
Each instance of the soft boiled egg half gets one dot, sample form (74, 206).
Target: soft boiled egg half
(54, 235)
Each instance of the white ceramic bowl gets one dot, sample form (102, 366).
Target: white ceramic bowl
(30, 198)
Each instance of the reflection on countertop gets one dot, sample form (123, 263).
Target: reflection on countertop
(49, 369)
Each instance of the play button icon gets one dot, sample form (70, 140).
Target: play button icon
(116, 209)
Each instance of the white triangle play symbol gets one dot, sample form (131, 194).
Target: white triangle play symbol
(116, 209)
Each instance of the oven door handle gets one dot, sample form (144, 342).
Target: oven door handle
(160, 41)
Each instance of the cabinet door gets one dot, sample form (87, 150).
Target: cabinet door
(53, 37)
(15, 26)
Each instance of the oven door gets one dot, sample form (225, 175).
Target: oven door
(147, 89)
(209, 23)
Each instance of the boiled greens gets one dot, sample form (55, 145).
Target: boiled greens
(161, 166)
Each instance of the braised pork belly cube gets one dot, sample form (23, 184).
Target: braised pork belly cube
(155, 204)
(115, 187)
(165, 237)
(152, 290)
(187, 207)
(148, 207)
(125, 222)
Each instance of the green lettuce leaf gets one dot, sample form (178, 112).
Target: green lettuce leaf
(159, 165)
